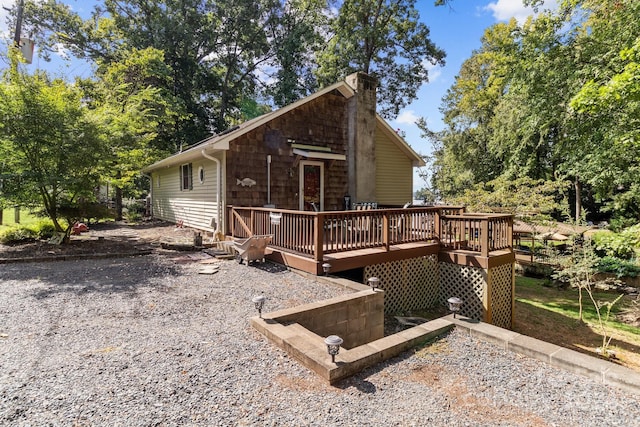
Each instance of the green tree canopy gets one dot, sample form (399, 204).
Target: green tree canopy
(553, 99)
(51, 145)
(132, 109)
(222, 53)
(383, 38)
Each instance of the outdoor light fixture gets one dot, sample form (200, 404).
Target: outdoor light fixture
(326, 267)
(258, 301)
(454, 305)
(333, 343)
(373, 282)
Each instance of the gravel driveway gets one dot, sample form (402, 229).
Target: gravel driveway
(148, 341)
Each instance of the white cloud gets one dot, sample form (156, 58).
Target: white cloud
(434, 74)
(435, 71)
(407, 117)
(504, 10)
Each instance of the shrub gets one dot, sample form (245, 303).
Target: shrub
(16, 235)
(43, 229)
(85, 210)
(618, 224)
(620, 267)
(620, 245)
(132, 216)
(134, 210)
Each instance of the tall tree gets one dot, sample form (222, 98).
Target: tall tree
(133, 108)
(296, 33)
(222, 52)
(606, 108)
(51, 145)
(386, 39)
(531, 128)
(463, 154)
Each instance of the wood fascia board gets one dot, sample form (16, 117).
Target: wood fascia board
(400, 142)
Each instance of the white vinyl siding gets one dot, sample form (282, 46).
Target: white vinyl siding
(394, 172)
(196, 207)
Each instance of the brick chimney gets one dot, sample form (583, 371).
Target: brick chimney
(361, 154)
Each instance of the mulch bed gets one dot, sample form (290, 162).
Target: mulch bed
(103, 239)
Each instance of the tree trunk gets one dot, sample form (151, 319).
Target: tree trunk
(118, 196)
(118, 203)
(578, 188)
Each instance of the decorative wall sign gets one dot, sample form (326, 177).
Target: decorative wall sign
(275, 218)
(246, 182)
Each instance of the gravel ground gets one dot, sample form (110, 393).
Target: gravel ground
(149, 341)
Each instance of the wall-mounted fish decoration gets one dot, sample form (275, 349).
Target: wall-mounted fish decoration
(247, 182)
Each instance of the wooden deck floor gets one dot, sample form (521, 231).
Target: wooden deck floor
(358, 258)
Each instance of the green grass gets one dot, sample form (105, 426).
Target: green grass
(565, 302)
(29, 228)
(26, 218)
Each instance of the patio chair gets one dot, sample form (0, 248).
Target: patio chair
(252, 248)
(360, 227)
(360, 206)
(399, 224)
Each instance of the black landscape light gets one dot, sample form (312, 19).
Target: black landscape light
(333, 343)
(258, 301)
(454, 305)
(373, 282)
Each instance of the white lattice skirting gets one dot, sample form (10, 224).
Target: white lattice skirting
(501, 301)
(408, 284)
(468, 284)
(423, 282)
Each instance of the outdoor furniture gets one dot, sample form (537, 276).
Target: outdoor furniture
(252, 248)
(365, 206)
(360, 227)
(399, 223)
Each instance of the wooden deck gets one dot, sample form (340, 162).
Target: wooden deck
(354, 239)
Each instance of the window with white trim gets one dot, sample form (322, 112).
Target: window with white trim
(186, 177)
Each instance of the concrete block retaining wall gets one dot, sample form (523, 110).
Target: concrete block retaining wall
(357, 318)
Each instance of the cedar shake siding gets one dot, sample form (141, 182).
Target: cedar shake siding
(320, 122)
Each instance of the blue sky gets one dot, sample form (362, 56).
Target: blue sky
(457, 29)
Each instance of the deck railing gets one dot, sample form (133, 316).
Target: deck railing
(314, 234)
(481, 233)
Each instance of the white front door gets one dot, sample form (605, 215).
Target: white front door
(311, 185)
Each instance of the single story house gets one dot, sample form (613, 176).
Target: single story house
(323, 152)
